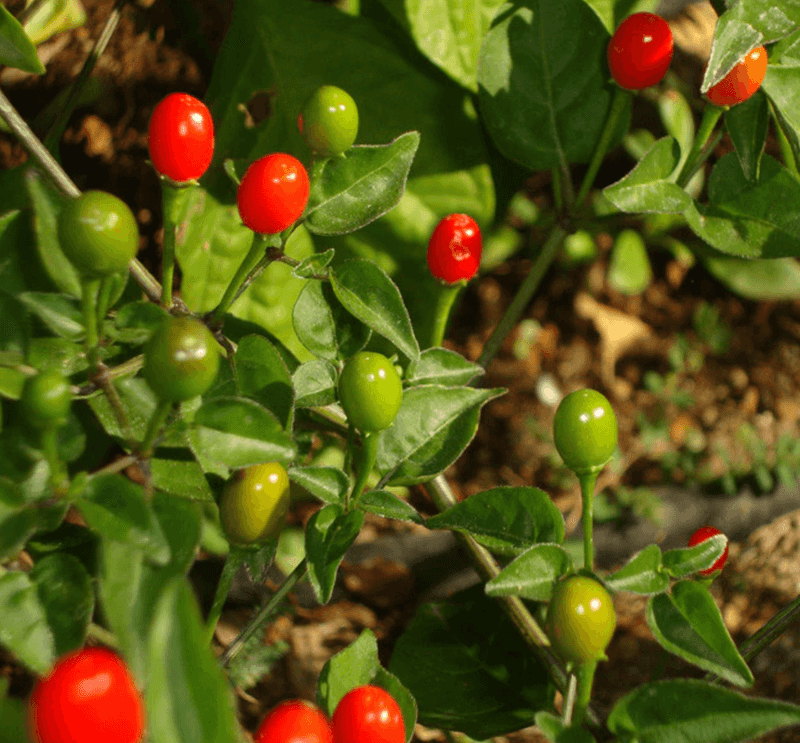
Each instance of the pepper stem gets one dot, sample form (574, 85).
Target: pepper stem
(587, 481)
(153, 427)
(250, 261)
(699, 151)
(369, 452)
(445, 299)
(89, 290)
(585, 674)
(618, 103)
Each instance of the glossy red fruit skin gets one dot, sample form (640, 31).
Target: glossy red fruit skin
(368, 714)
(88, 697)
(455, 248)
(742, 81)
(295, 721)
(273, 193)
(181, 137)
(640, 51)
(703, 533)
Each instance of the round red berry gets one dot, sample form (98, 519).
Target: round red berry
(181, 137)
(742, 81)
(368, 713)
(295, 721)
(273, 193)
(455, 247)
(640, 51)
(703, 533)
(88, 697)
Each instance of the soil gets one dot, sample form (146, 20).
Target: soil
(702, 408)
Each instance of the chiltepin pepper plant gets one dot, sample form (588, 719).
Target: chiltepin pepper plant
(146, 423)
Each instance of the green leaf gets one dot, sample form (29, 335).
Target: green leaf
(137, 321)
(545, 102)
(613, 12)
(115, 507)
(506, 520)
(16, 49)
(53, 18)
(377, 68)
(744, 26)
(176, 472)
(388, 505)
(324, 326)
(187, 696)
(469, 643)
(15, 331)
(47, 204)
(233, 432)
(689, 560)
(313, 266)
(647, 188)
(678, 119)
(314, 384)
(450, 32)
(60, 313)
(775, 279)
(354, 666)
(424, 438)
(747, 124)
(751, 219)
(641, 574)
(67, 596)
(353, 190)
(446, 445)
(441, 366)
(629, 269)
(329, 534)
(781, 86)
(14, 714)
(24, 629)
(688, 623)
(329, 484)
(533, 574)
(686, 709)
(262, 376)
(370, 295)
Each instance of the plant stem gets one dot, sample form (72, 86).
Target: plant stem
(49, 441)
(53, 136)
(587, 482)
(369, 451)
(172, 199)
(585, 674)
(153, 427)
(101, 634)
(89, 290)
(235, 647)
(103, 300)
(569, 700)
(524, 294)
(444, 304)
(223, 589)
(618, 103)
(250, 261)
(271, 254)
(699, 151)
(37, 150)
